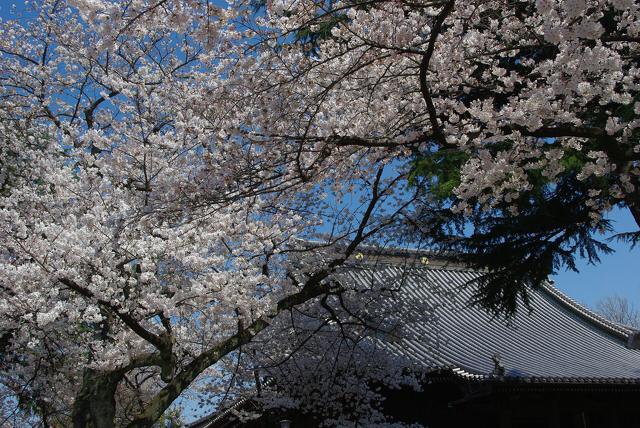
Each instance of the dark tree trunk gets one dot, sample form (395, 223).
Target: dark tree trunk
(633, 201)
(95, 406)
(635, 212)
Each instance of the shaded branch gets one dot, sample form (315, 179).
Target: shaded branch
(127, 319)
(424, 67)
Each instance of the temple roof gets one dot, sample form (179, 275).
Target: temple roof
(558, 341)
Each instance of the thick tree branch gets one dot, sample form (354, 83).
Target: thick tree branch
(128, 320)
(88, 112)
(313, 288)
(424, 67)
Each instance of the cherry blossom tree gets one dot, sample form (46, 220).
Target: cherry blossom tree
(148, 231)
(167, 157)
(518, 117)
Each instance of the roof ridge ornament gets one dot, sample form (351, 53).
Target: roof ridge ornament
(633, 342)
(498, 367)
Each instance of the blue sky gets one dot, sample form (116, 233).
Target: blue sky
(617, 274)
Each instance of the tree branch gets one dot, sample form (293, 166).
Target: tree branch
(424, 67)
(314, 287)
(128, 320)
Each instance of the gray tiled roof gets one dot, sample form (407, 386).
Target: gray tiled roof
(560, 341)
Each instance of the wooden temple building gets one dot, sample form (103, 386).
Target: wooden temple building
(560, 366)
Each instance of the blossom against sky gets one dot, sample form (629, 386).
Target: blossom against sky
(614, 275)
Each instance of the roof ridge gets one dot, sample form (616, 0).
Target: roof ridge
(586, 313)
